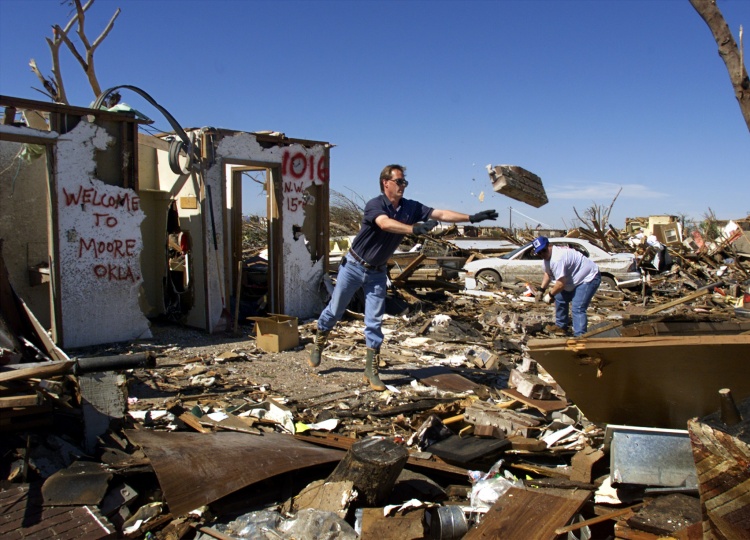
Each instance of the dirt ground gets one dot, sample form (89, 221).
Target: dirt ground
(193, 363)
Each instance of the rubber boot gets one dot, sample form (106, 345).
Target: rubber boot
(371, 370)
(320, 342)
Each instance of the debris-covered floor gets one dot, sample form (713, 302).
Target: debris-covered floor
(216, 438)
(190, 435)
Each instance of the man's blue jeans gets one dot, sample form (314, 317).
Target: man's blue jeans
(351, 276)
(578, 300)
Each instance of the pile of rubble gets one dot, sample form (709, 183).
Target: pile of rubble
(480, 433)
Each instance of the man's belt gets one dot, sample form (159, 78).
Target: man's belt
(364, 263)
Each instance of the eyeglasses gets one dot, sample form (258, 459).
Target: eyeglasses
(400, 182)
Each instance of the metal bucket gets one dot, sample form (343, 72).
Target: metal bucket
(448, 523)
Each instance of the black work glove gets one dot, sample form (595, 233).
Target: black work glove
(481, 216)
(424, 228)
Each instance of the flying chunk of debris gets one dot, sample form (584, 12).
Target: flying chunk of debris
(518, 183)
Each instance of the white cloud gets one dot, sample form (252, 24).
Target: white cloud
(603, 190)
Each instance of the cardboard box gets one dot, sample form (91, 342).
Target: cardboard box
(276, 333)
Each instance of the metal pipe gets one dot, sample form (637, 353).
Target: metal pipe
(114, 362)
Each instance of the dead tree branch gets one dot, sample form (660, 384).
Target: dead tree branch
(54, 86)
(729, 52)
(50, 90)
(596, 217)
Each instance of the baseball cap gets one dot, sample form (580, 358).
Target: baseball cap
(539, 243)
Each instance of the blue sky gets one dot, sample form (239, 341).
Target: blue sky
(591, 95)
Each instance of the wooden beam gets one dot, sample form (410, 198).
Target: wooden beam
(409, 270)
(667, 305)
(39, 371)
(10, 402)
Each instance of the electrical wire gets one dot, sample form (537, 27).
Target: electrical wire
(531, 218)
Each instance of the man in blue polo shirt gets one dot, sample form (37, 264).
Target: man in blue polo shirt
(387, 219)
(576, 280)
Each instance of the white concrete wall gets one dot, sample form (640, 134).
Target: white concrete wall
(99, 247)
(300, 168)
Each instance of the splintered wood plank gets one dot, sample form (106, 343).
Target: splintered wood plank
(622, 512)
(543, 405)
(667, 305)
(38, 371)
(8, 402)
(376, 526)
(409, 270)
(521, 514)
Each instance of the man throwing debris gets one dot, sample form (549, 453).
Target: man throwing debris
(387, 219)
(576, 280)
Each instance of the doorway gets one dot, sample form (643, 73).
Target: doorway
(253, 217)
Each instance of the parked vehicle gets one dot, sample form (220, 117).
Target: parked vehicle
(619, 270)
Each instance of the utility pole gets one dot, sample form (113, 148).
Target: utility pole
(510, 218)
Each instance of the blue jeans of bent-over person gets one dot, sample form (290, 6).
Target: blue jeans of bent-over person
(351, 276)
(578, 301)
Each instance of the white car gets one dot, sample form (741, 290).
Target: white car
(619, 270)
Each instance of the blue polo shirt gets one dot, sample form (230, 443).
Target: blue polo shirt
(375, 245)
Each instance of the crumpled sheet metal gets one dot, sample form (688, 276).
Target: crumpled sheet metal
(195, 469)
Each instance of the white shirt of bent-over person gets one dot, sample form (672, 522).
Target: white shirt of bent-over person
(568, 262)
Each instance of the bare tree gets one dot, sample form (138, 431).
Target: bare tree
(710, 226)
(345, 213)
(54, 86)
(596, 217)
(732, 56)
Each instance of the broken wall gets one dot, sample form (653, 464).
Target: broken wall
(99, 245)
(76, 213)
(24, 227)
(99, 220)
(298, 216)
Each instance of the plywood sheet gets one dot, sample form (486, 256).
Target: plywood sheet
(521, 514)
